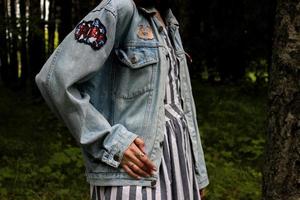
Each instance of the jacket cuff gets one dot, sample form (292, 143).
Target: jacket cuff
(121, 140)
(202, 181)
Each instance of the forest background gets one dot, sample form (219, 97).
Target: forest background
(230, 44)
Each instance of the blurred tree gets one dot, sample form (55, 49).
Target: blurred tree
(23, 23)
(282, 170)
(65, 18)
(81, 8)
(13, 44)
(51, 25)
(36, 41)
(225, 39)
(191, 27)
(229, 25)
(3, 41)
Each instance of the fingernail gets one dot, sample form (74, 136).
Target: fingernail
(155, 168)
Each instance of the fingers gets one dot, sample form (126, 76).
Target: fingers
(132, 156)
(135, 161)
(142, 158)
(147, 162)
(140, 143)
(138, 170)
(135, 168)
(130, 172)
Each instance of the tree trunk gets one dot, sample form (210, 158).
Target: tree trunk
(281, 177)
(36, 42)
(3, 41)
(13, 65)
(65, 25)
(82, 8)
(24, 64)
(51, 26)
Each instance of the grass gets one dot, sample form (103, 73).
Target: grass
(40, 160)
(232, 121)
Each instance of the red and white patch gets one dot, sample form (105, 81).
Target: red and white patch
(92, 33)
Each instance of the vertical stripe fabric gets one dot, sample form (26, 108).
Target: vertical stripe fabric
(177, 180)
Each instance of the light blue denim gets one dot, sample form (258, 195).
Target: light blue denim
(110, 96)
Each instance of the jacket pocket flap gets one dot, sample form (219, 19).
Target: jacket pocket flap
(137, 57)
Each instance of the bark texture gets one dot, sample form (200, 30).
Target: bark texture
(3, 41)
(281, 177)
(36, 42)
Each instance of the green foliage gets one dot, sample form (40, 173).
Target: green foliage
(232, 127)
(27, 178)
(40, 160)
(231, 182)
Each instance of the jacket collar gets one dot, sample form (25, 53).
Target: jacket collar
(168, 15)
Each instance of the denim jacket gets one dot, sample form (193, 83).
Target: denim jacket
(106, 81)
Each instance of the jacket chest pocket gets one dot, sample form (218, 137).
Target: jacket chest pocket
(134, 70)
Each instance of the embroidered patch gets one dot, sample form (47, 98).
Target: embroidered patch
(145, 32)
(92, 33)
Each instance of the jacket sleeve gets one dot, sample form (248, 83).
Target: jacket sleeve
(201, 170)
(201, 173)
(76, 60)
(202, 176)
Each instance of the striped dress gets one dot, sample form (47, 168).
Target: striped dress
(177, 180)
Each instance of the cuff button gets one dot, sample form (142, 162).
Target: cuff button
(116, 157)
(153, 183)
(161, 143)
(160, 28)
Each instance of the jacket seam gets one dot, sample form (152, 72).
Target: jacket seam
(112, 94)
(113, 13)
(149, 100)
(51, 70)
(105, 7)
(110, 11)
(133, 94)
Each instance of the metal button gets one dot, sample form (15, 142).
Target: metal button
(161, 143)
(116, 157)
(133, 59)
(153, 183)
(160, 29)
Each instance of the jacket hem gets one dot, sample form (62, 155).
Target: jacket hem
(202, 183)
(120, 182)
